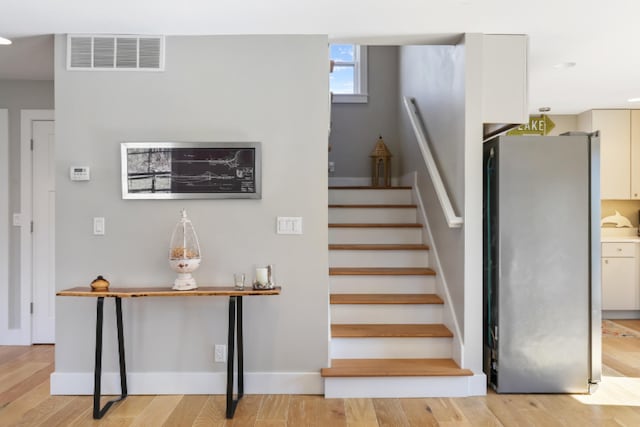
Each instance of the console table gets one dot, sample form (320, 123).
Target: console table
(234, 332)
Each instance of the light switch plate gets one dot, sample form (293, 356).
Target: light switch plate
(98, 226)
(289, 225)
(17, 220)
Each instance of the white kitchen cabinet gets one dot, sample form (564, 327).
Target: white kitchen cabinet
(635, 154)
(615, 150)
(620, 287)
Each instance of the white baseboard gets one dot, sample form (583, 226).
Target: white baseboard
(355, 181)
(478, 385)
(14, 337)
(138, 383)
(620, 314)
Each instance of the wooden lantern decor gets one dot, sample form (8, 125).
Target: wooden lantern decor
(381, 164)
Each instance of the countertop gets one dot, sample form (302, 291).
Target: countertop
(621, 239)
(619, 235)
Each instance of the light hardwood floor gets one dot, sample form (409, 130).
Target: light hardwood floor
(25, 401)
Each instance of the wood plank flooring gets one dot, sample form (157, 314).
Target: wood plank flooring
(25, 401)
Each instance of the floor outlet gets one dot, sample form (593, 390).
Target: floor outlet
(220, 353)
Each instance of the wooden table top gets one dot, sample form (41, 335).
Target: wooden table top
(86, 291)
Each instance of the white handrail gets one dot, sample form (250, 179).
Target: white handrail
(453, 220)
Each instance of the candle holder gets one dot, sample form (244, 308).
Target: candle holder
(184, 254)
(265, 277)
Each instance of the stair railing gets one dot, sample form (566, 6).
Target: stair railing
(453, 220)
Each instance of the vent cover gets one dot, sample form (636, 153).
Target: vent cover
(115, 52)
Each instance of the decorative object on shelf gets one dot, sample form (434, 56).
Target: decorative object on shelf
(238, 280)
(100, 284)
(265, 278)
(191, 170)
(380, 159)
(617, 219)
(184, 254)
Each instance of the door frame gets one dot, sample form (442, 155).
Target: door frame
(4, 226)
(26, 249)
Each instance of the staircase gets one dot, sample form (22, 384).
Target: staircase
(387, 336)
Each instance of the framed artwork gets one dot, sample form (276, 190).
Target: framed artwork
(191, 170)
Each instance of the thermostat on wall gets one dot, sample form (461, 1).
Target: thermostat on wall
(79, 173)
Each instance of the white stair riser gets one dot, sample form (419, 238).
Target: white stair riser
(390, 348)
(371, 215)
(386, 313)
(382, 284)
(395, 387)
(375, 235)
(359, 258)
(380, 197)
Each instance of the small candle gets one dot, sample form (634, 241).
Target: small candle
(261, 276)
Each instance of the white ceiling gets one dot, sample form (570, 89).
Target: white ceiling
(599, 36)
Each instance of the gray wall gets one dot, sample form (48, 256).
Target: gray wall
(434, 76)
(355, 127)
(271, 89)
(16, 95)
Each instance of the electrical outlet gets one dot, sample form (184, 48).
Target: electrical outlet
(332, 167)
(220, 353)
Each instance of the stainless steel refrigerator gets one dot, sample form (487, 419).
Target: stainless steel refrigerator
(542, 290)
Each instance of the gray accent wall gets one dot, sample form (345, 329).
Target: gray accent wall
(435, 77)
(271, 89)
(355, 127)
(16, 95)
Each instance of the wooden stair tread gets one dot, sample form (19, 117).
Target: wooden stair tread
(394, 368)
(376, 225)
(366, 187)
(391, 331)
(378, 247)
(385, 299)
(381, 271)
(369, 206)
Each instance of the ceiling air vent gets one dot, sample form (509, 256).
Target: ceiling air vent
(115, 52)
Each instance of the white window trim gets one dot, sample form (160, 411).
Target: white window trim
(360, 83)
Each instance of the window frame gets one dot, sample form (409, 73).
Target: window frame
(360, 83)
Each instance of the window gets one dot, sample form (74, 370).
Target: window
(348, 81)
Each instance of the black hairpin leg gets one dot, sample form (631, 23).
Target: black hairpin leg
(235, 325)
(97, 375)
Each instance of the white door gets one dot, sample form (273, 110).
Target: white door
(43, 193)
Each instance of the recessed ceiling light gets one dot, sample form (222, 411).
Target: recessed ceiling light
(565, 65)
(4, 41)
(633, 100)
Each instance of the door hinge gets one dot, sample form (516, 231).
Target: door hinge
(31, 308)
(32, 226)
(31, 144)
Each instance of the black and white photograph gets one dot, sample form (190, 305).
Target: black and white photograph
(174, 170)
